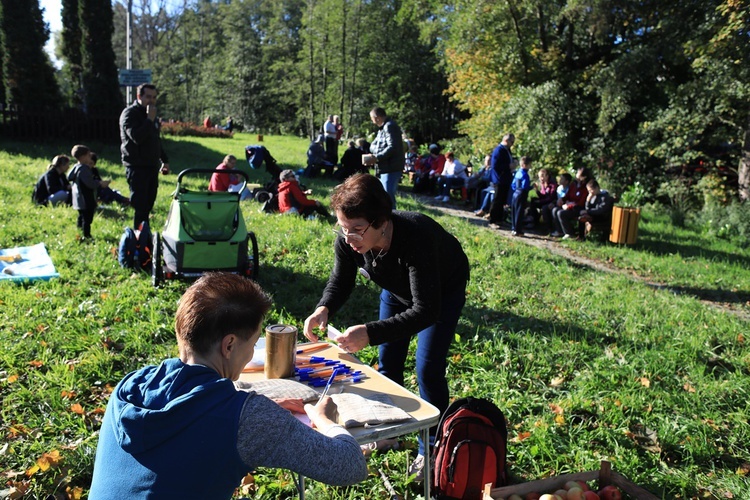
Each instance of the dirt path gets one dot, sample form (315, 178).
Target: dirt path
(553, 246)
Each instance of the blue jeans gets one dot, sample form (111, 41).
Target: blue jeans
(432, 350)
(390, 184)
(518, 205)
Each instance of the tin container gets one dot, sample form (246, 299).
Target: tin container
(281, 349)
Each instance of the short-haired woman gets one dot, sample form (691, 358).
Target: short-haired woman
(182, 430)
(423, 272)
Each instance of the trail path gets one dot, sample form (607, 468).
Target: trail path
(553, 246)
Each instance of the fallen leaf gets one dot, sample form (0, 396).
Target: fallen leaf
(645, 382)
(557, 381)
(744, 469)
(76, 408)
(36, 363)
(522, 436)
(74, 493)
(559, 419)
(556, 409)
(456, 358)
(741, 338)
(67, 394)
(688, 387)
(12, 378)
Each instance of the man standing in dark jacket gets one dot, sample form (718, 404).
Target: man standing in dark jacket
(387, 152)
(142, 153)
(500, 178)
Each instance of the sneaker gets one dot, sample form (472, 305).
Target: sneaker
(566, 237)
(445, 199)
(494, 225)
(556, 234)
(480, 213)
(416, 469)
(439, 197)
(513, 233)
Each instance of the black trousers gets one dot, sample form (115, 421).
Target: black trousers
(144, 184)
(497, 210)
(85, 218)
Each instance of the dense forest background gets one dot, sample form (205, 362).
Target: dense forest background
(640, 91)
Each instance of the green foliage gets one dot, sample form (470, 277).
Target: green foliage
(633, 197)
(681, 199)
(28, 77)
(579, 360)
(730, 221)
(101, 89)
(714, 190)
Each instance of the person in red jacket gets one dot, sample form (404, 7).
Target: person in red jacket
(293, 200)
(570, 206)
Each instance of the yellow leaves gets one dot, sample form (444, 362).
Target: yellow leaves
(36, 363)
(559, 413)
(67, 394)
(77, 409)
(45, 462)
(560, 419)
(456, 358)
(12, 379)
(688, 387)
(16, 430)
(557, 381)
(74, 493)
(645, 382)
(740, 339)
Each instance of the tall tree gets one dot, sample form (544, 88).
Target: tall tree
(28, 75)
(101, 91)
(70, 41)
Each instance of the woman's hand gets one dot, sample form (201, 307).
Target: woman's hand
(323, 413)
(354, 339)
(318, 319)
(294, 405)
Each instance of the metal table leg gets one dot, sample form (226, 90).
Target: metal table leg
(427, 465)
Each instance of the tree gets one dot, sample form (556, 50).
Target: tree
(70, 49)
(28, 75)
(101, 90)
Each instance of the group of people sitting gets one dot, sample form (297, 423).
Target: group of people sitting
(291, 197)
(557, 205)
(319, 161)
(83, 187)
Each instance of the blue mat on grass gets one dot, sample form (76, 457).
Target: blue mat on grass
(34, 264)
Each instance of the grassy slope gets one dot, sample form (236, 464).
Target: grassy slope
(582, 363)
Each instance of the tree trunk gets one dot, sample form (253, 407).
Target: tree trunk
(342, 96)
(311, 118)
(519, 35)
(744, 168)
(355, 62)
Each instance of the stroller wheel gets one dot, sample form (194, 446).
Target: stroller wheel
(157, 270)
(252, 259)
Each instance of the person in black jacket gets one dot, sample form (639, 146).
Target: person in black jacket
(142, 153)
(423, 272)
(53, 187)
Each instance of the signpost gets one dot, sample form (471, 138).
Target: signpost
(134, 77)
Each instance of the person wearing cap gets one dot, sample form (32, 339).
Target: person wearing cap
(316, 159)
(387, 152)
(293, 200)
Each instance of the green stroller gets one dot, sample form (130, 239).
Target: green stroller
(205, 231)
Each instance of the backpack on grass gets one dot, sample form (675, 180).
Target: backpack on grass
(470, 449)
(136, 247)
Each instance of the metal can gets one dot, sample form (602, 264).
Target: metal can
(281, 350)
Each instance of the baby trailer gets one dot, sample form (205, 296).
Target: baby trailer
(205, 231)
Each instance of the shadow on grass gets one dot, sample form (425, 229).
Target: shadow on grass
(712, 295)
(651, 242)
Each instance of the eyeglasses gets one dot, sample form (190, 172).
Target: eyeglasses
(352, 236)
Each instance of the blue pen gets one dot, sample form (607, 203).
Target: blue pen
(328, 384)
(319, 383)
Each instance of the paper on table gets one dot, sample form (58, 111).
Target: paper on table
(333, 333)
(259, 355)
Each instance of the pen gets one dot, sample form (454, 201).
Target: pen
(328, 384)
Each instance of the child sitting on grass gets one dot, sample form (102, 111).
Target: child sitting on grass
(106, 194)
(84, 190)
(293, 200)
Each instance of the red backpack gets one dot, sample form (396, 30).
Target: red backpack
(470, 449)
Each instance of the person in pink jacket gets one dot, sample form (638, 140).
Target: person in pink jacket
(293, 200)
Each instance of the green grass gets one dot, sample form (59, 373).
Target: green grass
(582, 362)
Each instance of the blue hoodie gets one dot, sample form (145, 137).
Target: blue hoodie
(170, 431)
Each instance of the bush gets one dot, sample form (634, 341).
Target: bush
(731, 222)
(681, 199)
(191, 129)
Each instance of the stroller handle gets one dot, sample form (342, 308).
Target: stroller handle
(212, 171)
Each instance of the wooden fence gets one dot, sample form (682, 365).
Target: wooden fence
(69, 124)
